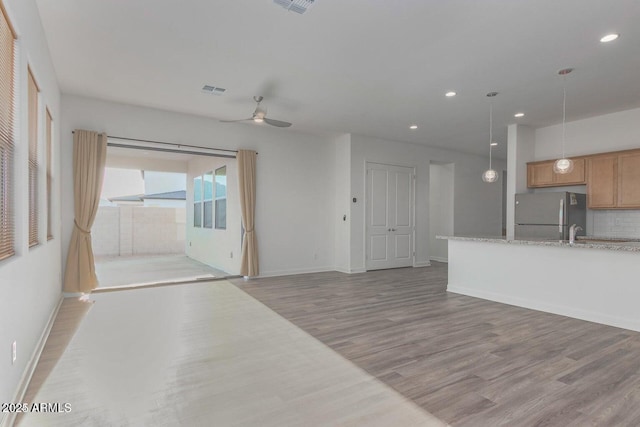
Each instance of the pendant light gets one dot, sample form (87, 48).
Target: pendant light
(563, 165)
(490, 175)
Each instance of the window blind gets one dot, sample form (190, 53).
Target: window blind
(7, 111)
(33, 160)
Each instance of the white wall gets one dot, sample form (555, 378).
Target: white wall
(610, 132)
(138, 230)
(342, 202)
(568, 280)
(441, 208)
(220, 249)
(520, 150)
(164, 203)
(295, 175)
(141, 163)
(30, 282)
(478, 205)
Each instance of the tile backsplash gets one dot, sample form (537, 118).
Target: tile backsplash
(614, 223)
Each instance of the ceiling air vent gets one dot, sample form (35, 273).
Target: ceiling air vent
(213, 90)
(298, 6)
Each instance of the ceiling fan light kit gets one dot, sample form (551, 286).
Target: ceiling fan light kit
(260, 116)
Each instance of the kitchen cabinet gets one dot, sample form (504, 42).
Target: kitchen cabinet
(541, 174)
(602, 181)
(575, 177)
(629, 180)
(614, 181)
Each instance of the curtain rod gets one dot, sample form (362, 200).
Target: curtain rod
(170, 150)
(168, 143)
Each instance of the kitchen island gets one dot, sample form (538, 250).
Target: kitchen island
(598, 281)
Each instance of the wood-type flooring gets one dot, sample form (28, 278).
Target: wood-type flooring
(468, 361)
(200, 355)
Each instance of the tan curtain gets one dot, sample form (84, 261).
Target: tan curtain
(89, 156)
(247, 184)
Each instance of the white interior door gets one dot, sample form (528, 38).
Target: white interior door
(389, 211)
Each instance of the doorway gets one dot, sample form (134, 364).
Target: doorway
(389, 211)
(145, 231)
(441, 202)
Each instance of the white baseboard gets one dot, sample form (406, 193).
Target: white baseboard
(325, 269)
(422, 264)
(276, 273)
(590, 316)
(439, 259)
(296, 271)
(10, 418)
(347, 271)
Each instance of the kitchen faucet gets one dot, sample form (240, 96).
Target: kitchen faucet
(572, 233)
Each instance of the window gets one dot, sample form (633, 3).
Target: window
(49, 124)
(221, 198)
(33, 159)
(208, 200)
(197, 201)
(7, 111)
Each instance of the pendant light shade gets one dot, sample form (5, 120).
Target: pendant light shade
(563, 165)
(490, 175)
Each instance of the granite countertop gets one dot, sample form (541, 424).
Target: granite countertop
(608, 243)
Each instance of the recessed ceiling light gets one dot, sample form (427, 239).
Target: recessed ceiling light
(450, 94)
(493, 144)
(413, 127)
(518, 115)
(609, 38)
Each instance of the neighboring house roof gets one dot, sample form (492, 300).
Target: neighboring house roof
(132, 198)
(168, 195)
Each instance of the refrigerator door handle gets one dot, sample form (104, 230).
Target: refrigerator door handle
(560, 216)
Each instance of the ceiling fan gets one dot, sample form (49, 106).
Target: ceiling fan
(260, 115)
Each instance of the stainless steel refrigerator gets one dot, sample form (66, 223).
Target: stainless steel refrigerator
(549, 215)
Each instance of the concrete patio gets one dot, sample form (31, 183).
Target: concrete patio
(152, 269)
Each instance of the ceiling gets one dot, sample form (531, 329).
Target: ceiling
(370, 67)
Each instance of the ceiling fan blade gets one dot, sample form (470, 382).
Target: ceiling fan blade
(235, 121)
(277, 123)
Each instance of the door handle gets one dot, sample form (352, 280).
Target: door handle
(391, 229)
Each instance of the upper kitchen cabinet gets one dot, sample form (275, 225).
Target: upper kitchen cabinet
(629, 180)
(602, 181)
(575, 177)
(541, 174)
(614, 180)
